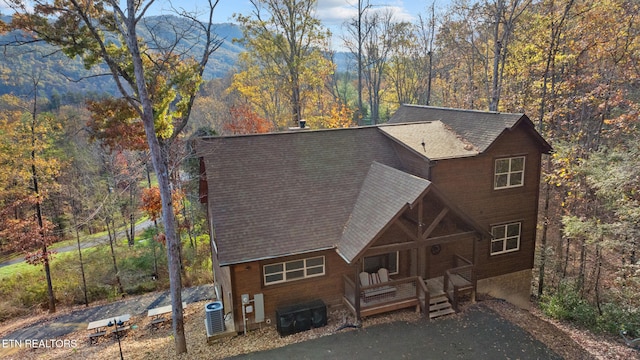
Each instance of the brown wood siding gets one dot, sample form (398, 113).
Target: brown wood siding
(203, 186)
(247, 279)
(469, 184)
(411, 162)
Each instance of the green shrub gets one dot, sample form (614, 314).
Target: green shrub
(567, 304)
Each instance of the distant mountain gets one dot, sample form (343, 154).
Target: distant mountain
(58, 75)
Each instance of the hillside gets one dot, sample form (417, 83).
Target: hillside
(58, 75)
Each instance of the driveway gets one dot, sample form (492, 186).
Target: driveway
(478, 333)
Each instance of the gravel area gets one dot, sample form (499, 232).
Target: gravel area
(488, 329)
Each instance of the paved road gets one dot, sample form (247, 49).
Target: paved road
(85, 244)
(479, 333)
(78, 319)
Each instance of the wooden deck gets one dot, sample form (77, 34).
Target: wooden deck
(404, 297)
(430, 297)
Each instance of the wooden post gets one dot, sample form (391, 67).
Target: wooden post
(422, 256)
(357, 287)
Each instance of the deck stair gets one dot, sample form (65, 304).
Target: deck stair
(439, 305)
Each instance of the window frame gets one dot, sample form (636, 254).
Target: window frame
(305, 268)
(509, 173)
(397, 257)
(506, 238)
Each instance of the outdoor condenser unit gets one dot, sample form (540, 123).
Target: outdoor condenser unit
(214, 320)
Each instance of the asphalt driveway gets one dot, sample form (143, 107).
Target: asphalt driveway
(479, 333)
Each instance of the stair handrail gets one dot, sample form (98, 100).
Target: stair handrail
(463, 268)
(424, 304)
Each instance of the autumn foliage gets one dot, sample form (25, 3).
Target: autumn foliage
(116, 124)
(25, 235)
(152, 205)
(245, 121)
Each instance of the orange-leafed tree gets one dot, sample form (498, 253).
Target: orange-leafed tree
(152, 204)
(116, 125)
(245, 121)
(29, 167)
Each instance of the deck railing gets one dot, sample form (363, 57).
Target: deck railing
(391, 295)
(459, 280)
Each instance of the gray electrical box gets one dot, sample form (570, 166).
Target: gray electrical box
(258, 301)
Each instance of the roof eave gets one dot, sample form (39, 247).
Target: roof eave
(271, 257)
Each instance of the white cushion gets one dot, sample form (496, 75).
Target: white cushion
(364, 279)
(383, 274)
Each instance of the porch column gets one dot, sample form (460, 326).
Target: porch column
(422, 256)
(357, 287)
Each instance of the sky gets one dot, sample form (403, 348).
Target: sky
(332, 13)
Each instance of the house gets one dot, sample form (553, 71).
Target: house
(443, 200)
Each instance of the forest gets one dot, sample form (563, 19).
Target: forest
(572, 66)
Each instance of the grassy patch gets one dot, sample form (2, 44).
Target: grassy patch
(141, 268)
(11, 270)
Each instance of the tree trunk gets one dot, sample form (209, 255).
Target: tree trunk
(132, 220)
(545, 230)
(597, 276)
(162, 172)
(36, 190)
(112, 239)
(495, 96)
(75, 226)
(583, 261)
(361, 11)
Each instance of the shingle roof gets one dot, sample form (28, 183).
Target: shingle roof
(480, 128)
(286, 193)
(383, 195)
(280, 194)
(432, 139)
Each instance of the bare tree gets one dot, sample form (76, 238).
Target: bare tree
(88, 29)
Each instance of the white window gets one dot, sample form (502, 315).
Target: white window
(509, 172)
(506, 238)
(388, 261)
(293, 270)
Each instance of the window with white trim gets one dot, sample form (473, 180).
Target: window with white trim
(388, 261)
(509, 172)
(293, 270)
(506, 238)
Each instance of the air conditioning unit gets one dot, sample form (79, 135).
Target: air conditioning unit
(214, 320)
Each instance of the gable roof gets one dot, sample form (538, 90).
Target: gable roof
(279, 194)
(432, 139)
(479, 128)
(287, 193)
(384, 194)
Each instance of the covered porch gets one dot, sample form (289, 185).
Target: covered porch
(408, 247)
(434, 297)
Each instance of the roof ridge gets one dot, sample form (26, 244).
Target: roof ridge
(461, 110)
(287, 132)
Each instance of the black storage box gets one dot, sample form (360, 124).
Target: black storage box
(301, 317)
